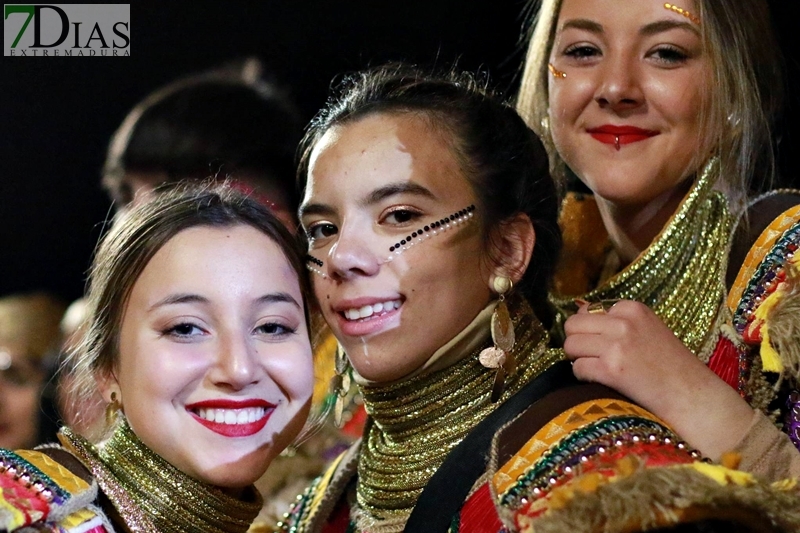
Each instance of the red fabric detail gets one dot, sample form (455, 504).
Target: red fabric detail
(24, 499)
(354, 427)
(339, 519)
(725, 362)
(478, 515)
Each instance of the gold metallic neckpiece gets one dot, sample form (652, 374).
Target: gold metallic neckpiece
(152, 495)
(685, 13)
(555, 72)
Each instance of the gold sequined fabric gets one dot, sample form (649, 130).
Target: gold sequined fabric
(416, 423)
(152, 495)
(681, 275)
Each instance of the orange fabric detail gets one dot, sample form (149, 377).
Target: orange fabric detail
(584, 249)
(561, 426)
(759, 251)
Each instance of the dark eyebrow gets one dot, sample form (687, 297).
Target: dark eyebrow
(666, 25)
(315, 209)
(276, 297)
(583, 24)
(397, 188)
(181, 298)
(374, 197)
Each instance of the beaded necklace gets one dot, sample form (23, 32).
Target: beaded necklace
(415, 423)
(151, 494)
(680, 276)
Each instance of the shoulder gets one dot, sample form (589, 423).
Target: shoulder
(48, 487)
(606, 464)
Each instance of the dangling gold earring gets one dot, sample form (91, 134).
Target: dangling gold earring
(112, 409)
(499, 355)
(340, 384)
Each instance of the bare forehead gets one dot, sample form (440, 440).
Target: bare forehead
(599, 15)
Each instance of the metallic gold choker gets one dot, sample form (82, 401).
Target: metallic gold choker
(152, 495)
(416, 423)
(681, 275)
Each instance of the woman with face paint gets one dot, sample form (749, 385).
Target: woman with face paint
(197, 341)
(431, 222)
(664, 112)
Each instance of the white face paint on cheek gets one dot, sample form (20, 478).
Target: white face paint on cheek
(366, 350)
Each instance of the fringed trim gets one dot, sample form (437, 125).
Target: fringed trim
(780, 334)
(659, 497)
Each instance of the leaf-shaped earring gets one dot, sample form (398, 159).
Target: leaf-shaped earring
(500, 355)
(340, 384)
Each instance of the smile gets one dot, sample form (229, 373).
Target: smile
(368, 311)
(232, 418)
(620, 135)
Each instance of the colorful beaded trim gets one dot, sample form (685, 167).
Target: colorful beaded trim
(570, 455)
(767, 277)
(20, 470)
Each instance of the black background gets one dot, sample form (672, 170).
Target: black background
(57, 114)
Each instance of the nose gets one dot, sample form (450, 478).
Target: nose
(619, 88)
(352, 256)
(236, 365)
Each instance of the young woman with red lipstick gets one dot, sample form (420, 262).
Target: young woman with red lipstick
(664, 111)
(197, 340)
(431, 221)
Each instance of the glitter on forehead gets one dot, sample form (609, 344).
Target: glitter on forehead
(684, 12)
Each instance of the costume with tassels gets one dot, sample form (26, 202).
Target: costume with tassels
(751, 339)
(121, 485)
(439, 456)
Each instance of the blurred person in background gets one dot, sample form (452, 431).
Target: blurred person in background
(29, 338)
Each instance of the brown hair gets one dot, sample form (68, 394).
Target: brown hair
(134, 239)
(746, 78)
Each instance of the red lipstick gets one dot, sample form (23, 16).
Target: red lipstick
(233, 430)
(619, 135)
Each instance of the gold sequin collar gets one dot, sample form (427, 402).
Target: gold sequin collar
(415, 423)
(152, 495)
(681, 275)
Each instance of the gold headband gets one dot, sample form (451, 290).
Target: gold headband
(685, 13)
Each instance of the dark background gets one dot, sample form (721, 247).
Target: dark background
(57, 114)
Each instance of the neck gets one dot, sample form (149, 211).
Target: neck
(633, 227)
(415, 423)
(152, 495)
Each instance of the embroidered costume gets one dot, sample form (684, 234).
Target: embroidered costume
(438, 455)
(122, 485)
(681, 276)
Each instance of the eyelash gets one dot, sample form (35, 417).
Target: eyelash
(174, 330)
(581, 51)
(669, 55)
(312, 233)
(285, 330)
(664, 54)
(412, 214)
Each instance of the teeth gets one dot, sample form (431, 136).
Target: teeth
(232, 416)
(369, 310)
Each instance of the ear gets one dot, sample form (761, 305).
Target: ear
(513, 242)
(107, 384)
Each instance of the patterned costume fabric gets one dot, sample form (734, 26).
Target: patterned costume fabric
(140, 491)
(35, 490)
(601, 464)
(681, 276)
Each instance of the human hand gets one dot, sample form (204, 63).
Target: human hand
(629, 349)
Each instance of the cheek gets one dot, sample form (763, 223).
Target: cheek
(291, 368)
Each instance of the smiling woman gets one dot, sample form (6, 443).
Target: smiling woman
(664, 111)
(431, 221)
(197, 340)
